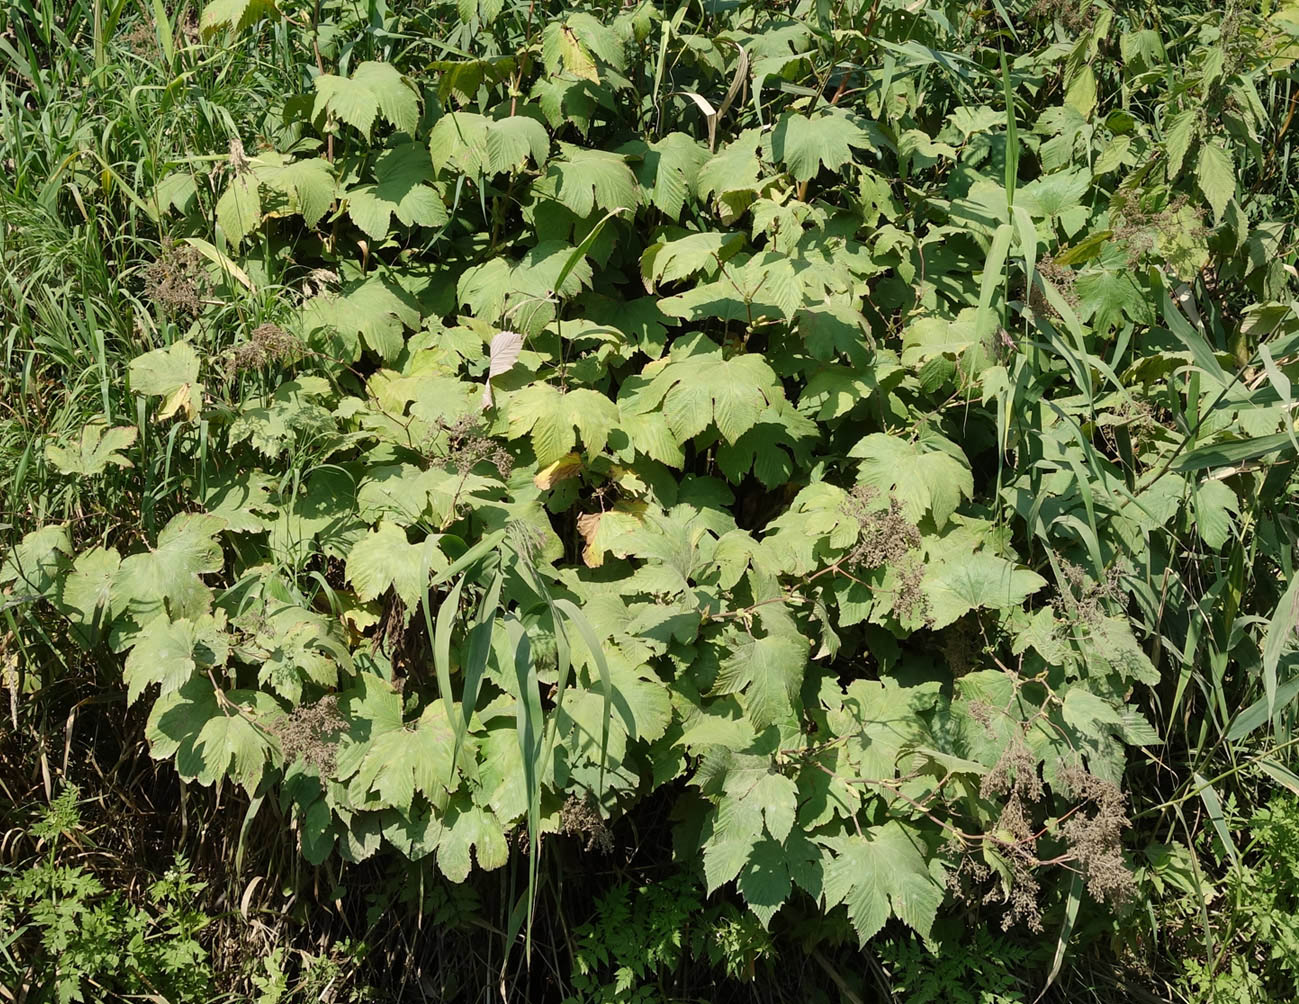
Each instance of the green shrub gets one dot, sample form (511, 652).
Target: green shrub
(865, 428)
(643, 942)
(70, 936)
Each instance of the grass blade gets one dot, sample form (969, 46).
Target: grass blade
(1279, 631)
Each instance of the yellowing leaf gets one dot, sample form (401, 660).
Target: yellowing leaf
(171, 373)
(602, 530)
(236, 14)
(555, 419)
(1081, 94)
(576, 59)
(567, 466)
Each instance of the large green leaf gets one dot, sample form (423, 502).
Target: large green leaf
(826, 139)
(169, 575)
(171, 373)
(474, 144)
(97, 447)
(697, 386)
(168, 652)
(236, 14)
(1216, 177)
(926, 475)
(404, 189)
(963, 582)
(555, 420)
(385, 558)
(767, 670)
(211, 738)
(882, 873)
(374, 89)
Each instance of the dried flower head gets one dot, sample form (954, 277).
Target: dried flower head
(579, 818)
(1014, 773)
(178, 279)
(238, 159)
(1094, 835)
(1082, 600)
(268, 343)
(1014, 778)
(886, 537)
(318, 281)
(467, 446)
(1075, 15)
(309, 734)
(1139, 230)
(911, 602)
(1062, 279)
(142, 40)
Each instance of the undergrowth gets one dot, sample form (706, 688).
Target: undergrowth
(646, 502)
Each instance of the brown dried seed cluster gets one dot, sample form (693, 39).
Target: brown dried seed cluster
(1139, 229)
(309, 734)
(579, 818)
(1141, 421)
(1015, 773)
(1062, 278)
(268, 343)
(1082, 600)
(403, 637)
(178, 280)
(1014, 777)
(142, 40)
(238, 158)
(886, 535)
(888, 539)
(1094, 835)
(911, 601)
(1075, 15)
(467, 447)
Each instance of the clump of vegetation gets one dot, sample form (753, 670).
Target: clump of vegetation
(178, 280)
(72, 935)
(614, 501)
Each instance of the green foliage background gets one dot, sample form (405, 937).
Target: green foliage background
(788, 480)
